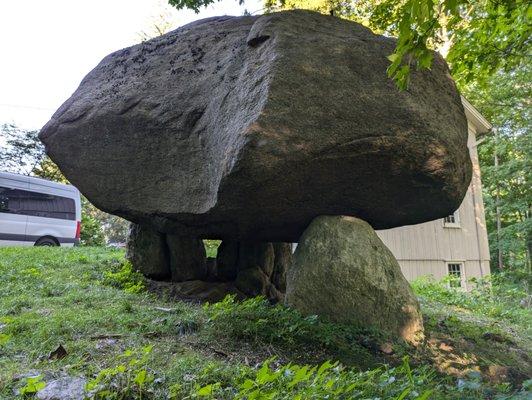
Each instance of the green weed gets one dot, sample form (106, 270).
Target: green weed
(32, 386)
(124, 277)
(128, 380)
(211, 247)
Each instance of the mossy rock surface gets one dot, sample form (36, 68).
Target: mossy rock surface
(342, 271)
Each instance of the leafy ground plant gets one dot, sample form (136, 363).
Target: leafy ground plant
(257, 321)
(497, 297)
(32, 385)
(134, 344)
(129, 379)
(123, 276)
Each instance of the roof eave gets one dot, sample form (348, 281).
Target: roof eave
(480, 123)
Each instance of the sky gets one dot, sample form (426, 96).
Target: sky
(47, 47)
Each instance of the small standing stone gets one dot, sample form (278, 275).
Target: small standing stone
(145, 251)
(258, 268)
(251, 254)
(252, 282)
(227, 260)
(187, 258)
(281, 263)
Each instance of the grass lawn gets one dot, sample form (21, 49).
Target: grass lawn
(82, 312)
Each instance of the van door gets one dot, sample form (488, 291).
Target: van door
(12, 222)
(49, 215)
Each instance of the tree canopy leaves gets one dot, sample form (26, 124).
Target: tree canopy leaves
(480, 36)
(504, 98)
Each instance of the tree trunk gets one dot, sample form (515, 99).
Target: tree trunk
(497, 205)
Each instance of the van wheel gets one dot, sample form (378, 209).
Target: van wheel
(46, 242)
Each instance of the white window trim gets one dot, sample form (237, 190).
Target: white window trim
(463, 278)
(455, 224)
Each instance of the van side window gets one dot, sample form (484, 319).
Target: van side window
(36, 204)
(8, 202)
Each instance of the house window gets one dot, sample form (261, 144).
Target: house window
(452, 221)
(455, 273)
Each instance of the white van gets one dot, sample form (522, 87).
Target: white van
(38, 212)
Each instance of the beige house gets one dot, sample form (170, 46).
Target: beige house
(456, 245)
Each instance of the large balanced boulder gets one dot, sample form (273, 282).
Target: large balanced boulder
(343, 272)
(247, 128)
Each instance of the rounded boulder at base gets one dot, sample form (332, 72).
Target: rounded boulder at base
(343, 272)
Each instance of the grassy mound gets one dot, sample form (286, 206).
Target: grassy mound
(84, 312)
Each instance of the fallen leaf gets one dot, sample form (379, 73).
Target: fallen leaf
(220, 353)
(58, 353)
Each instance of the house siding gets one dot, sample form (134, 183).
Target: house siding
(425, 249)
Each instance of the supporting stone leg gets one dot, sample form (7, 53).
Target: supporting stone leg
(282, 261)
(145, 251)
(164, 257)
(258, 268)
(227, 260)
(254, 268)
(343, 272)
(187, 258)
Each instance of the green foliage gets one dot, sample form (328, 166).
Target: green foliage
(334, 381)
(123, 276)
(198, 377)
(195, 5)
(24, 154)
(482, 36)
(327, 380)
(99, 228)
(489, 36)
(257, 322)
(256, 318)
(211, 247)
(4, 338)
(107, 228)
(497, 296)
(32, 385)
(22, 151)
(91, 231)
(418, 23)
(127, 380)
(504, 100)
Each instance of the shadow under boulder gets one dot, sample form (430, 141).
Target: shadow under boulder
(242, 268)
